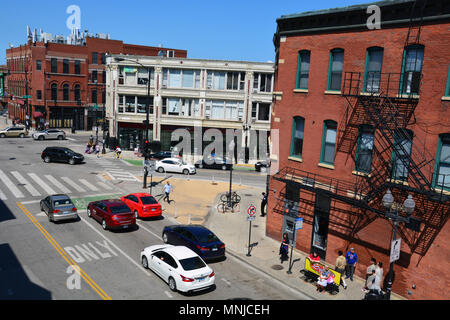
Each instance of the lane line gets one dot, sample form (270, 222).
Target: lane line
(27, 185)
(3, 196)
(63, 253)
(10, 185)
(104, 186)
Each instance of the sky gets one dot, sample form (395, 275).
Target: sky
(208, 29)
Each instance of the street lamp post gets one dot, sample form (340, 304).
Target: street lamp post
(147, 120)
(231, 149)
(392, 214)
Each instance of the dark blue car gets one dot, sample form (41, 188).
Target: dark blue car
(197, 238)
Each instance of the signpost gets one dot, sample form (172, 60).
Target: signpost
(149, 167)
(251, 216)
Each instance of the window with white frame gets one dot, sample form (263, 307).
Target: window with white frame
(220, 80)
(130, 104)
(261, 111)
(143, 76)
(181, 78)
(142, 105)
(130, 75)
(182, 107)
(228, 110)
(262, 82)
(121, 103)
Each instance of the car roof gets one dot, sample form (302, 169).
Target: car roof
(59, 197)
(112, 202)
(173, 159)
(180, 252)
(196, 229)
(140, 194)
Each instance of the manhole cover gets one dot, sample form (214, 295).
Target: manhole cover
(277, 267)
(12, 159)
(196, 219)
(20, 147)
(248, 195)
(26, 164)
(94, 173)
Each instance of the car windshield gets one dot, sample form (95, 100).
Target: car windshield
(206, 237)
(192, 263)
(148, 200)
(68, 151)
(62, 202)
(120, 209)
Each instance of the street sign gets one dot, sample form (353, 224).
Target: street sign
(395, 250)
(26, 97)
(251, 211)
(299, 224)
(249, 218)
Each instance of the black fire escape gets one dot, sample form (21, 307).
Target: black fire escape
(400, 161)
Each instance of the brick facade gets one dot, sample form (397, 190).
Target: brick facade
(432, 117)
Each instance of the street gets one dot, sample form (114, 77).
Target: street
(41, 257)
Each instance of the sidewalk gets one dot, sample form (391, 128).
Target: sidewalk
(195, 203)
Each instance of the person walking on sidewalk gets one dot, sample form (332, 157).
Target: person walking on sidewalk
(341, 263)
(284, 248)
(167, 190)
(370, 269)
(263, 204)
(351, 258)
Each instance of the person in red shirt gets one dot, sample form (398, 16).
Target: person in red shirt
(314, 257)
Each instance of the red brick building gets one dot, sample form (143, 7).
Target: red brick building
(54, 81)
(361, 111)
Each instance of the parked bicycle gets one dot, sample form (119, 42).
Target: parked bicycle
(229, 203)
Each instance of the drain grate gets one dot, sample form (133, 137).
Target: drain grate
(277, 267)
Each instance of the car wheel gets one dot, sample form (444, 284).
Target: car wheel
(47, 159)
(2, 135)
(40, 205)
(49, 218)
(72, 162)
(186, 172)
(165, 237)
(224, 168)
(136, 214)
(172, 284)
(145, 262)
(22, 136)
(161, 170)
(104, 226)
(200, 166)
(41, 138)
(60, 137)
(89, 213)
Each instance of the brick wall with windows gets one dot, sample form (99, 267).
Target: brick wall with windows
(309, 110)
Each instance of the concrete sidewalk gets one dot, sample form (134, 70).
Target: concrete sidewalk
(195, 202)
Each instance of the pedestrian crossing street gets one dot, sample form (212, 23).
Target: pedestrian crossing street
(112, 168)
(22, 185)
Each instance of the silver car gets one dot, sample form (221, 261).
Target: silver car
(50, 134)
(59, 207)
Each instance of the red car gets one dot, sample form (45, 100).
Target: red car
(143, 205)
(112, 214)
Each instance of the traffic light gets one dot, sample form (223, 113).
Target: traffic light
(146, 147)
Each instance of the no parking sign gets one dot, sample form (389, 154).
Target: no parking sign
(251, 213)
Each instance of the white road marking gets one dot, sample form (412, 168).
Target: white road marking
(41, 183)
(73, 184)
(148, 230)
(58, 184)
(104, 186)
(227, 282)
(168, 294)
(10, 185)
(87, 184)
(3, 196)
(27, 186)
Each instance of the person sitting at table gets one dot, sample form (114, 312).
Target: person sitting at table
(314, 257)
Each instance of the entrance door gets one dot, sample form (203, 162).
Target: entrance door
(321, 222)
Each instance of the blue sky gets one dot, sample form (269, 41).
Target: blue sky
(229, 30)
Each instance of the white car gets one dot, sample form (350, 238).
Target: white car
(178, 266)
(174, 165)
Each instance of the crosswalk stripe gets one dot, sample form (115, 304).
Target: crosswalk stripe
(41, 183)
(104, 186)
(73, 184)
(27, 185)
(58, 184)
(87, 184)
(3, 196)
(10, 185)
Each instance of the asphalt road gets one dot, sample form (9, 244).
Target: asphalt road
(39, 258)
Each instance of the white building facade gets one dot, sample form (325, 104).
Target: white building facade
(191, 94)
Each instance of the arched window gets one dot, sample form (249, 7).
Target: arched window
(442, 168)
(335, 69)
(66, 92)
(298, 131)
(303, 70)
(372, 74)
(54, 91)
(328, 142)
(77, 92)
